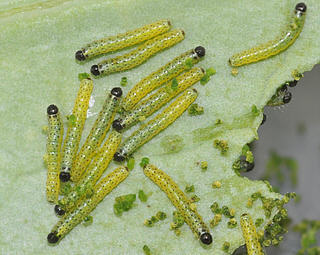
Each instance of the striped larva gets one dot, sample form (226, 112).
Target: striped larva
(123, 40)
(138, 55)
(164, 74)
(281, 97)
(275, 46)
(156, 125)
(54, 140)
(250, 235)
(163, 95)
(97, 134)
(180, 201)
(93, 173)
(85, 207)
(71, 142)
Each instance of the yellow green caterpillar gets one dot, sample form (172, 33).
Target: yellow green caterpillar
(180, 201)
(93, 173)
(156, 125)
(277, 45)
(97, 134)
(72, 140)
(154, 102)
(250, 235)
(139, 55)
(54, 140)
(120, 41)
(85, 207)
(164, 74)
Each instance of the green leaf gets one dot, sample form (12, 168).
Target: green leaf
(38, 42)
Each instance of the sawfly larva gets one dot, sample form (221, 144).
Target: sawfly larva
(277, 45)
(74, 131)
(85, 207)
(123, 40)
(180, 201)
(54, 140)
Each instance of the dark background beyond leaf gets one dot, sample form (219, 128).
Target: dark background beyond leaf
(293, 131)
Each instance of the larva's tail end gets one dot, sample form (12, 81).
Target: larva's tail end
(58, 210)
(64, 176)
(200, 51)
(80, 56)
(52, 109)
(119, 157)
(206, 238)
(52, 237)
(95, 70)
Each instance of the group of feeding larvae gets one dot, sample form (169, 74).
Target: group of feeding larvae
(83, 168)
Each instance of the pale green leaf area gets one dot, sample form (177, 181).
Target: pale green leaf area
(37, 68)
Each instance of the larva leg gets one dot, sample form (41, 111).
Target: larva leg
(163, 95)
(164, 74)
(156, 125)
(180, 201)
(85, 207)
(139, 55)
(54, 140)
(71, 143)
(97, 134)
(277, 45)
(95, 170)
(120, 41)
(250, 235)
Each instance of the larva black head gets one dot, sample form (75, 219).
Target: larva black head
(206, 238)
(52, 110)
(301, 7)
(292, 83)
(58, 210)
(119, 157)
(64, 176)
(52, 237)
(95, 70)
(80, 56)
(264, 119)
(201, 51)
(117, 125)
(284, 88)
(287, 97)
(117, 92)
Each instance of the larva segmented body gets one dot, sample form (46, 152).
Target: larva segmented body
(95, 170)
(138, 55)
(72, 140)
(162, 75)
(180, 201)
(85, 207)
(275, 46)
(250, 235)
(54, 140)
(97, 134)
(123, 40)
(154, 102)
(156, 125)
